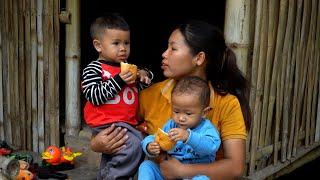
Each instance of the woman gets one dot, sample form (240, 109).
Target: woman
(196, 48)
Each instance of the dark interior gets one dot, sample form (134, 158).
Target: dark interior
(150, 23)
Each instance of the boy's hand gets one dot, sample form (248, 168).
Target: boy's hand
(153, 148)
(178, 134)
(143, 76)
(127, 77)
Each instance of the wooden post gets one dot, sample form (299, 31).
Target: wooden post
(27, 74)
(272, 34)
(73, 119)
(277, 59)
(22, 77)
(317, 136)
(34, 82)
(302, 70)
(1, 84)
(295, 55)
(285, 75)
(236, 30)
(317, 133)
(40, 76)
(310, 56)
(255, 124)
(5, 70)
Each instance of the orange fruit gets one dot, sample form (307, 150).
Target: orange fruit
(163, 140)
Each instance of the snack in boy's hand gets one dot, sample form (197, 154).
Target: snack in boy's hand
(162, 138)
(125, 67)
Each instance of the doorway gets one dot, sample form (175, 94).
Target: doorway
(150, 23)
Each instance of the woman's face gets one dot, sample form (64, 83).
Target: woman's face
(177, 59)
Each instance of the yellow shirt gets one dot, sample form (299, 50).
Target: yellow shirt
(226, 114)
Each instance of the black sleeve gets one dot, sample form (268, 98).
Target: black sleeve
(94, 89)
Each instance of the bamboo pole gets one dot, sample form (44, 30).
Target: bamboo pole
(317, 115)
(295, 68)
(255, 124)
(310, 79)
(317, 135)
(1, 70)
(255, 54)
(15, 110)
(5, 40)
(22, 79)
(12, 67)
(278, 51)
(286, 58)
(249, 65)
(272, 27)
(314, 96)
(261, 73)
(315, 79)
(27, 74)
(16, 105)
(72, 56)
(53, 84)
(40, 76)
(302, 70)
(236, 30)
(304, 112)
(34, 114)
(289, 85)
(260, 80)
(46, 47)
(56, 108)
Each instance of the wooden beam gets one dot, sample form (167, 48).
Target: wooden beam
(272, 169)
(236, 30)
(72, 55)
(40, 87)
(1, 71)
(298, 163)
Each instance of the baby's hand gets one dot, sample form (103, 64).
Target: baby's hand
(153, 148)
(178, 134)
(128, 77)
(143, 76)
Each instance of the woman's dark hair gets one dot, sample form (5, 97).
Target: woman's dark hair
(221, 68)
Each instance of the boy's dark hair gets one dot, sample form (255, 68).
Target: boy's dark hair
(193, 85)
(108, 21)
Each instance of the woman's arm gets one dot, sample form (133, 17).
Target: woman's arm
(230, 167)
(110, 140)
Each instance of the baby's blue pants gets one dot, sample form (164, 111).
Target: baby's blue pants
(149, 170)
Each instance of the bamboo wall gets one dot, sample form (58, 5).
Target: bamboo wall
(284, 36)
(29, 78)
(285, 83)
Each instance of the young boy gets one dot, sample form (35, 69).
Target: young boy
(197, 140)
(112, 95)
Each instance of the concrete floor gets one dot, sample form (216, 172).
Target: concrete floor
(84, 172)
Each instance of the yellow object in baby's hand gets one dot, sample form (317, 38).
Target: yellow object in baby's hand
(162, 138)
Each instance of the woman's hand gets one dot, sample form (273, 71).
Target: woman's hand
(171, 168)
(110, 140)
